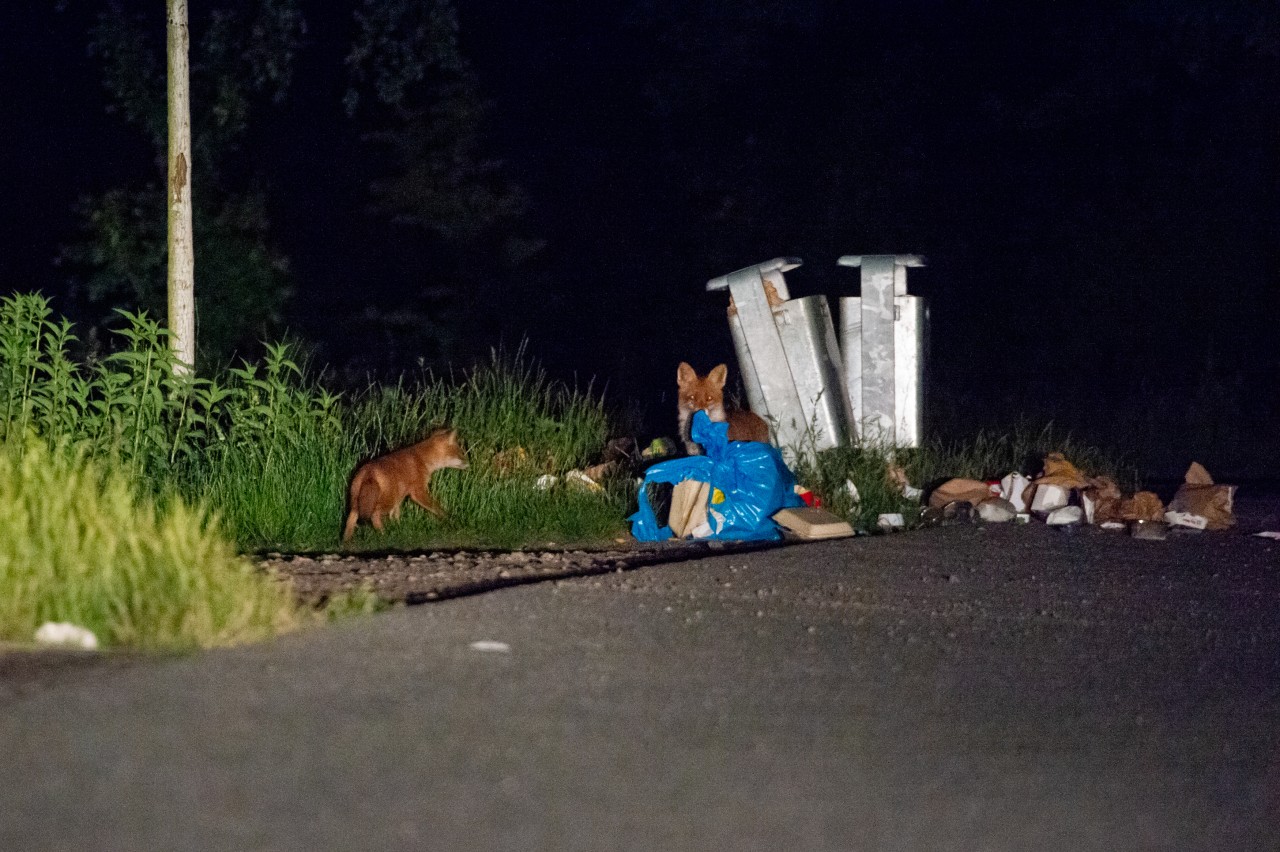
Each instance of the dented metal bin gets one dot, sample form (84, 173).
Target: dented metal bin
(789, 357)
(883, 335)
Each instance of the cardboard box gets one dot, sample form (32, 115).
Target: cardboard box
(688, 507)
(813, 522)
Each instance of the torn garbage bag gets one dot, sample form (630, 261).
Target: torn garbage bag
(748, 481)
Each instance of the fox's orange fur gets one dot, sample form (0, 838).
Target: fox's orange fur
(378, 487)
(698, 393)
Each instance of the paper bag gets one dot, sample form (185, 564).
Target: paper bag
(1059, 473)
(1143, 506)
(953, 490)
(1198, 495)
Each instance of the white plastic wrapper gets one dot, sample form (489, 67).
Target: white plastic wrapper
(1186, 519)
(1065, 516)
(1012, 488)
(1049, 498)
(65, 633)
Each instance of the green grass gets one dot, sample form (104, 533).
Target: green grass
(272, 450)
(78, 544)
(289, 492)
(269, 452)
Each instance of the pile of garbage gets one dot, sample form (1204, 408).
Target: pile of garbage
(1063, 495)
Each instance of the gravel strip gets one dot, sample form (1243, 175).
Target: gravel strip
(414, 578)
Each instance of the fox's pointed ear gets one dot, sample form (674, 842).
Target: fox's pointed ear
(685, 373)
(719, 373)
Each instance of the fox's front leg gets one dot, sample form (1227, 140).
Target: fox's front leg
(419, 495)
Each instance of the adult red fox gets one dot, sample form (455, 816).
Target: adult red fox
(707, 393)
(380, 486)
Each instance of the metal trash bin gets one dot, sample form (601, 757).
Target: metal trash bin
(883, 334)
(789, 357)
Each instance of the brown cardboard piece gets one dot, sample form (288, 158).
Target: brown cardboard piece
(688, 507)
(813, 522)
(1198, 495)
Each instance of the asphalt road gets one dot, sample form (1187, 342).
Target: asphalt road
(1003, 688)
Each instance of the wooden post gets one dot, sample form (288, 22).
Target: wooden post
(181, 279)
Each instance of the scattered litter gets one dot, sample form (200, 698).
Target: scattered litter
(581, 480)
(688, 507)
(955, 512)
(1052, 489)
(65, 633)
(997, 510)
(1065, 516)
(1199, 496)
(491, 646)
(1150, 530)
(1105, 495)
(748, 483)
(891, 521)
(1058, 471)
(971, 491)
(1272, 534)
(1112, 525)
(807, 495)
(1089, 505)
(1012, 488)
(813, 522)
(659, 448)
(897, 477)
(852, 491)
(546, 481)
(1186, 519)
(1049, 498)
(1022, 518)
(1143, 506)
(604, 470)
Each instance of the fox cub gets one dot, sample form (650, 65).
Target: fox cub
(378, 487)
(707, 392)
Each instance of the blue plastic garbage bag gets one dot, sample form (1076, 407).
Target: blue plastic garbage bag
(749, 483)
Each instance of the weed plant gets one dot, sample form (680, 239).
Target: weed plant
(79, 544)
(272, 451)
(517, 426)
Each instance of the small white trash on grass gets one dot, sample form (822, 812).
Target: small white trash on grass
(66, 634)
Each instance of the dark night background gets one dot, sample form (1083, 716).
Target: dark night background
(1095, 186)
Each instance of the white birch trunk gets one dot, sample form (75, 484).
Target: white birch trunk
(182, 305)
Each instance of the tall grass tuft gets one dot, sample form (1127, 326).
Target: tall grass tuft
(79, 544)
(517, 425)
